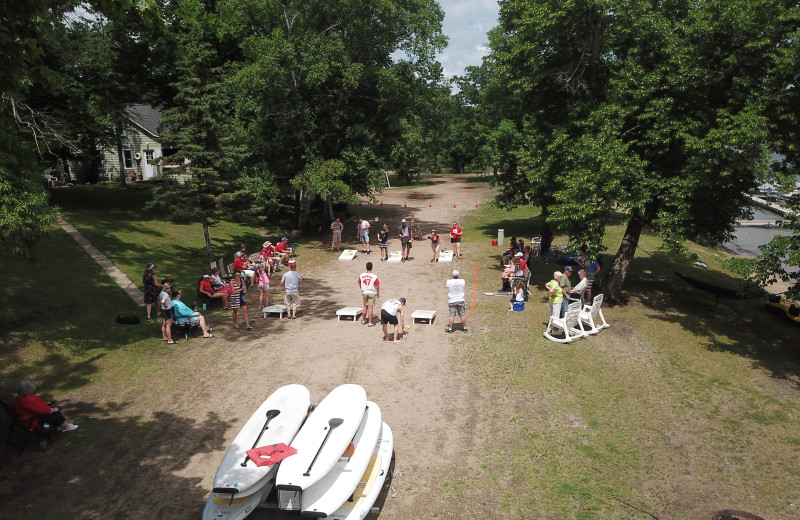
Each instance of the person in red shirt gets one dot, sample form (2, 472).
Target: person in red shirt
(268, 257)
(455, 239)
(436, 242)
(242, 263)
(33, 411)
(284, 250)
(207, 288)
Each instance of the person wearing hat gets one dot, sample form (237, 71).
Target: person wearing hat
(566, 287)
(291, 283)
(389, 311)
(520, 268)
(436, 242)
(556, 295)
(284, 251)
(336, 229)
(242, 263)
(268, 257)
(406, 235)
(456, 301)
(151, 287)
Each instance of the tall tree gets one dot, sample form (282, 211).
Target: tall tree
(657, 110)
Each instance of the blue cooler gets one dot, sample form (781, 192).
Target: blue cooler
(518, 306)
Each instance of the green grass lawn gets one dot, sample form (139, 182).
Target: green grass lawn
(683, 402)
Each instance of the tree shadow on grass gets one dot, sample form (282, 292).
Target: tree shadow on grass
(90, 472)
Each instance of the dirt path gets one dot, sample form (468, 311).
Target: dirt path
(171, 429)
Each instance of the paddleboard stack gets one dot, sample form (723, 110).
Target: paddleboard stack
(343, 453)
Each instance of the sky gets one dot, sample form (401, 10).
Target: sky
(466, 23)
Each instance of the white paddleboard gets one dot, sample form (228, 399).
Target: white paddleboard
(371, 482)
(234, 507)
(332, 490)
(320, 442)
(292, 403)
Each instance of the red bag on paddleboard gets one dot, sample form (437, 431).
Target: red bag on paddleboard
(271, 454)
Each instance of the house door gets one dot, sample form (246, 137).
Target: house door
(149, 168)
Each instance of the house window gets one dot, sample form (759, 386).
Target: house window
(127, 155)
(148, 155)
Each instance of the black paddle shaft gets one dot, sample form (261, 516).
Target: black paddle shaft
(333, 423)
(271, 414)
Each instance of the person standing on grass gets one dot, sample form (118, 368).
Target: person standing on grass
(291, 282)
(406, 238)
(165, 306)
(239, 300)
(362, 233)
(389, 311)
(556, 295)
(456, 301)
(370, 291)
(151, 287)
(383, 242)
(336, 230)
(566, 287)
(455, 239)
(436, 242)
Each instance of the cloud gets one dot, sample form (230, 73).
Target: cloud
(466, 23)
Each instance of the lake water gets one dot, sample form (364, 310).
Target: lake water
(748, 239)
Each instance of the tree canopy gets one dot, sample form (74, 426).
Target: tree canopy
(666, 112)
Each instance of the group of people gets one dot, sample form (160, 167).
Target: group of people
(562, 293)
(404, 232)
(392, 310)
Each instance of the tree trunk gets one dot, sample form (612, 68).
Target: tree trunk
(622, 262)
(209, 247)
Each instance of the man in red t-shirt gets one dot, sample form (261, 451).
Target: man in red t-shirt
(284, 250)
(455, 239)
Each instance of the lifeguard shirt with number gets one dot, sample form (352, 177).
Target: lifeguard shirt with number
(369, 283)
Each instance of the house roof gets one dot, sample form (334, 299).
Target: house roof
(145, 117)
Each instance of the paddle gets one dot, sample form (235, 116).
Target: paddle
(333, 423)
(271, 414)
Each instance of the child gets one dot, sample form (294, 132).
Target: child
(263, 286)
(519, 295)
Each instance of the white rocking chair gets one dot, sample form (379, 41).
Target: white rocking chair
(570, 325)
(592, 315)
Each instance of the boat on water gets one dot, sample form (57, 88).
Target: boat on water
(786, 308)
(331, 459)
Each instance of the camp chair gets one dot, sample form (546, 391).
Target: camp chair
(203, 298)
(592, 315)
(224, 273)
(18, 433)
(181, 329)
(570, 325)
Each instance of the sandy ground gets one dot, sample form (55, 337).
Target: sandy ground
(172, 436)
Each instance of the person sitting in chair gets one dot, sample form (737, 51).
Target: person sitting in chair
(242, 263)
(285, 251)
(182, 315)
(34, 412)
(207, 288)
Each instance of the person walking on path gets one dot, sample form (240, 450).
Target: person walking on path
(151, 288)
(389, 311)
(383, 242)
(455, 239)
(456, 301)
(406, 235)
(556, 294)
(291, 282)
(370, 291)
(362, 233)
(336, 229)
(239, 300)
(436, 242)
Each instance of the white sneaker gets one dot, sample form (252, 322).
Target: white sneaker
(68, 428)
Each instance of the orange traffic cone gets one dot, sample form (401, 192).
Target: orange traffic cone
(454, 205)
(404, 205)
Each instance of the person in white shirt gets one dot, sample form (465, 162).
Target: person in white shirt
(370, 291)
(389, 311)
(363, 234)
(455, 300)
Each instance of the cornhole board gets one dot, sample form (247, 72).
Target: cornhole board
(274, 309)
(423, 315)
(348, 255)
(446, 256)
(355, 312)
(395, 256)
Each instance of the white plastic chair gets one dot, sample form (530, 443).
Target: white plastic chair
(570, 325)
(592, 315)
